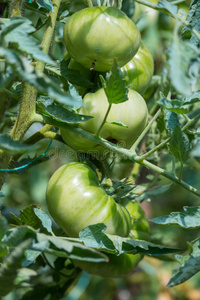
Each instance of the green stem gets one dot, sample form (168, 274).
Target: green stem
(181, 171)
(104, 120)
(133, 157)
(161, 145)
(145, 131)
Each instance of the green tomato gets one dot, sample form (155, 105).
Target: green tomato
(75, 200)
(122, 265)
(133, 113)
(139, 70)
(95, 36)
(118, 266)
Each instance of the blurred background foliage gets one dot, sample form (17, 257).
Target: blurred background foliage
(149, 279)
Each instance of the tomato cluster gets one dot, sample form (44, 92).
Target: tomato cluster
(94, 37)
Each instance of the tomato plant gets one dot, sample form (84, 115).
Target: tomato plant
(75, 200)
(95, 36)
(116, 121)
(138, 71)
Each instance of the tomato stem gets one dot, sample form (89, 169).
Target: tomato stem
(145, 131)
(27, 111)
(134, 157)
(104, 120)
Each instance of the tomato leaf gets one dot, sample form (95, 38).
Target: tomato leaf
(190, 218)
(28, 217)
(105, 242)
(171, 120)
(57, 112)
(179, 145)
(73, 76)
(193, 18)
(44, 218)
(115, 87)
(17, 31)
(190, 265)
(180, 58)
(9, 145)
(175, 106)
(8, 270)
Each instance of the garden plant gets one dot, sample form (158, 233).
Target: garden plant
(99, 144)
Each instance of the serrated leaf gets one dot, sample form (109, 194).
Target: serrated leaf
(17, 235)
(28, 217)
(20, 66)
(45, 3)
(9, 145)
(175, 106)
(190, 266)
(93, 236)
(190, 218)
(62, 247)
(74, 76)
(179, 145)
(193, 18)
(194, 98)
(115, 89)
(166, 6)
(44, 218)
(17, 30)
(30, 257)
(8, 269)
(171, 120)
(117, 123)
(58, 113)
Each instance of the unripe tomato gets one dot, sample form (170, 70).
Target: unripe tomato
(132, 113)
(118, 266)
(95, 36)
(122, 265)
(75, 200)
(139, 70)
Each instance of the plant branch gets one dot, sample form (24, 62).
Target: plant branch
(161, 145)
(133, 157)
(27, 110)
(145, 131)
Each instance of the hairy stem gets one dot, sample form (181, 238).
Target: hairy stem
(26, 115)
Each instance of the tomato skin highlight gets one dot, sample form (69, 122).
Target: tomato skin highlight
(95, 36)
(139, 70)
(75, 200)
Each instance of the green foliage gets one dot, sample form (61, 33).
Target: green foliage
(36, 258)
